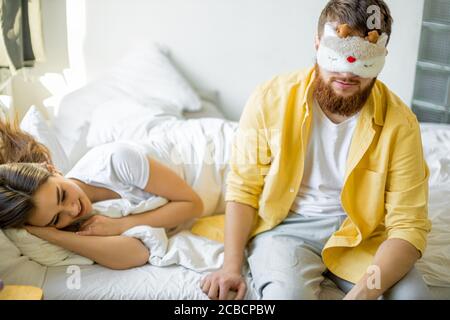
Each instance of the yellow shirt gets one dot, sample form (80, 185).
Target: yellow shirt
(385, 191)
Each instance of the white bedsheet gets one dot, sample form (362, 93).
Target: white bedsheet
(184, 249)
(434, 264)
(153, 283)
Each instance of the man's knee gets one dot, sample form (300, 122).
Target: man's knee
(411, 287)
(407, 295)
(282, 290)
(292, 272)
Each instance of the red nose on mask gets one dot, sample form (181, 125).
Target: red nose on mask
(351, 59)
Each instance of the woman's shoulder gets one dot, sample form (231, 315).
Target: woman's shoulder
(100, 157)
(119, 149)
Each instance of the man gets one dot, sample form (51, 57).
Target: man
(327, 176)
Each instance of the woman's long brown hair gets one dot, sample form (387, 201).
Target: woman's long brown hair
(19, 180)
(19, 146)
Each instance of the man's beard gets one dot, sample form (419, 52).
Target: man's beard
(330, 101)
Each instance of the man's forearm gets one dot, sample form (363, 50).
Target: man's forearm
(239, 221)
(394, 259)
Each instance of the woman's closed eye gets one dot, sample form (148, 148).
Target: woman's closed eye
(56, 217)
(55, 220)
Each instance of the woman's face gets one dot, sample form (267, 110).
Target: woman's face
(59, 202)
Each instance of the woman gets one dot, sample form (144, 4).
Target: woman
(37, 197)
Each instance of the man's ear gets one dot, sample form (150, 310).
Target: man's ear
(317, 42)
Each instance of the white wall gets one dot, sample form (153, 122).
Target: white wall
(229, 46)
(27, 90)
(400, 69)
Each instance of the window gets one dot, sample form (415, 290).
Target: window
(431, 101)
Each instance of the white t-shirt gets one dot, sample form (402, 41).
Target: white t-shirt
(325, 165)
(119, 166)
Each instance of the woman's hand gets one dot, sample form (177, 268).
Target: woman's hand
(102, 226)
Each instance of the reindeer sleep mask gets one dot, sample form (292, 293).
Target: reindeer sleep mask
(341, 51)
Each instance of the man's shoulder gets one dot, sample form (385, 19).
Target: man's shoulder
(397, 111)
(283, 83)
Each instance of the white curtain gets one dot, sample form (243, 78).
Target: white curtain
(21, 42)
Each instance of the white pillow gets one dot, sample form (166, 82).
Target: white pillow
(146, 74)
(41, 251)
(125, 118)
(209, 110)
(16, 269)
(75, 144)
(35, 124)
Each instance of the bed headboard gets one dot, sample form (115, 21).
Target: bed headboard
(229, 45)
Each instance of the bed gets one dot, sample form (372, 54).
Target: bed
(118, 109)
(176, 282)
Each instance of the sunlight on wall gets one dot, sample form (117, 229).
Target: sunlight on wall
(76, 33)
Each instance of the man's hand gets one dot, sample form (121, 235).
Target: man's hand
(394, 259)
(223, 285)
(360, 291)
(102, 226)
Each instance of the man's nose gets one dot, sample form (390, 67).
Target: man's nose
(349, 75)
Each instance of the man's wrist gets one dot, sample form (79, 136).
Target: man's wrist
(357, 294)
(361, 291)
(232, 267)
